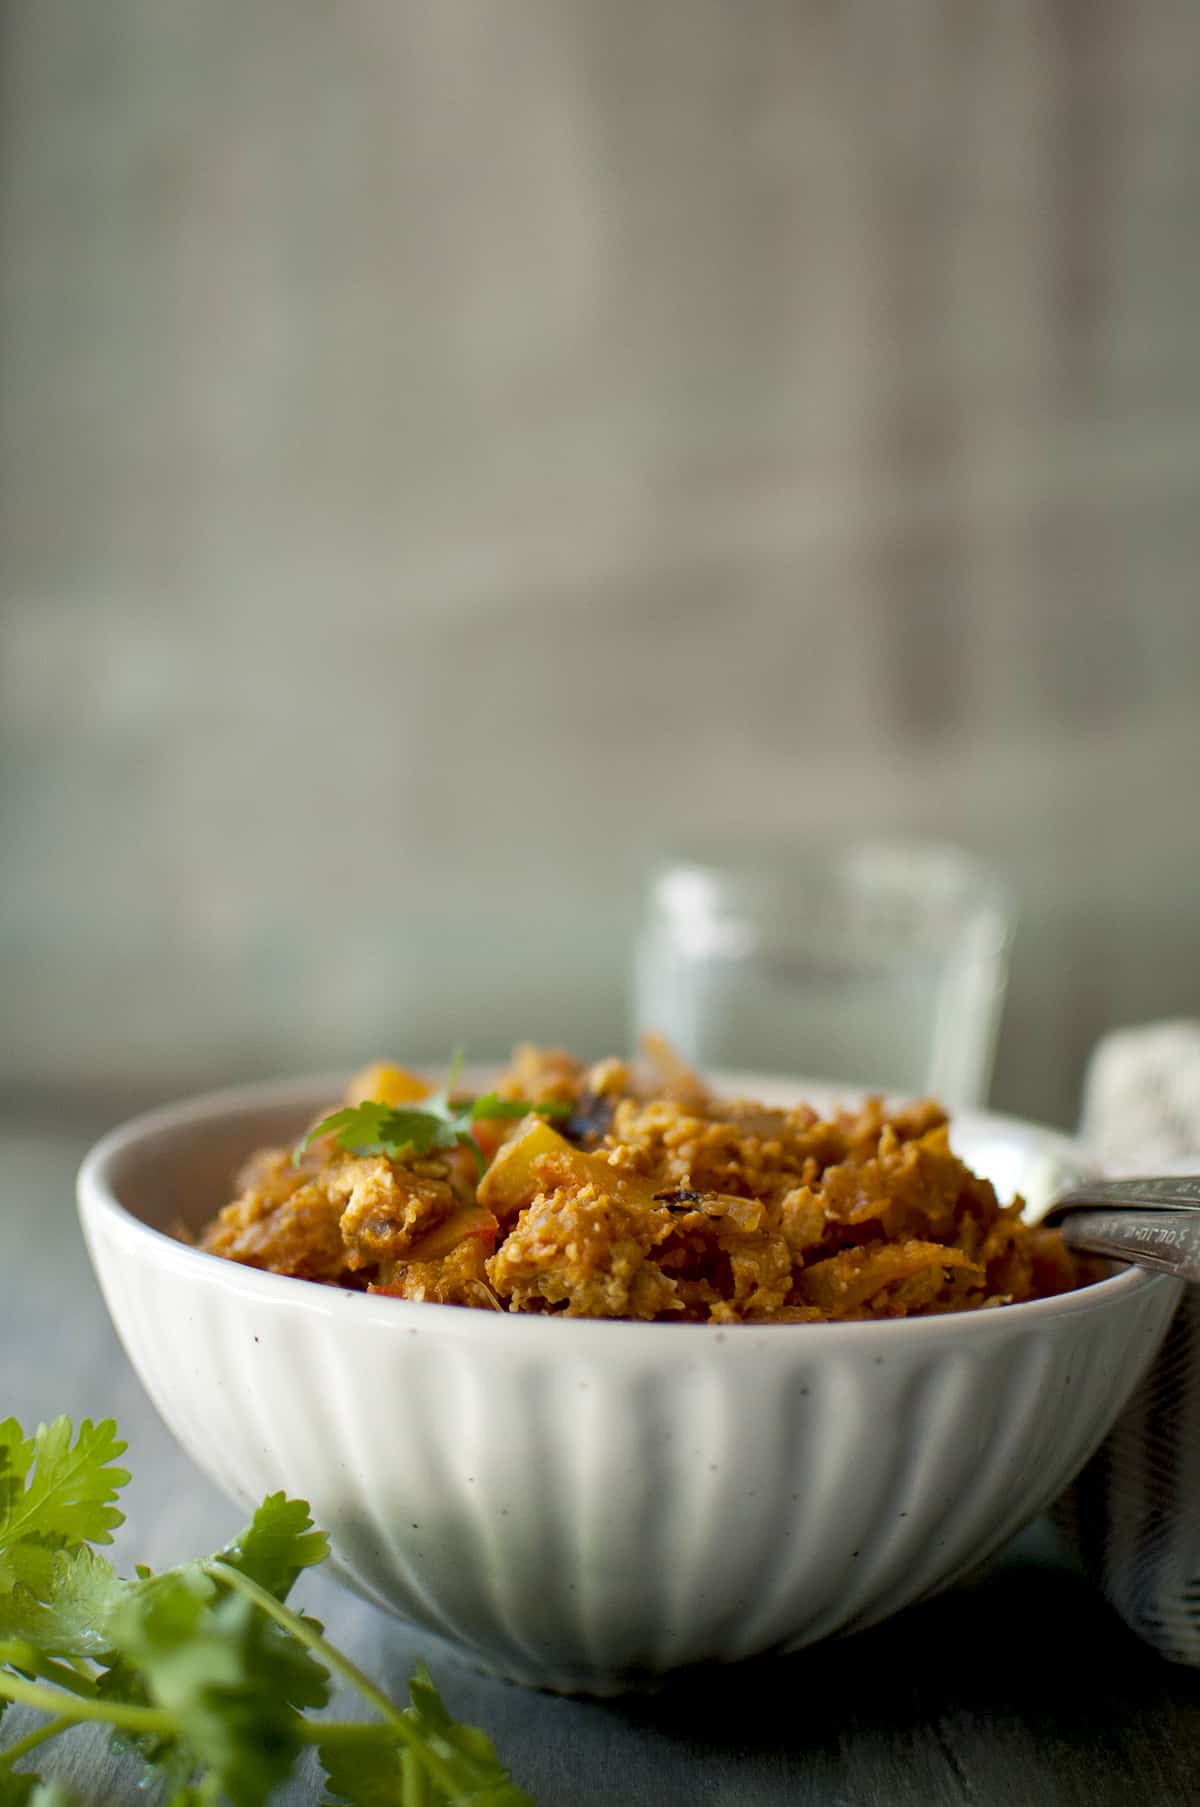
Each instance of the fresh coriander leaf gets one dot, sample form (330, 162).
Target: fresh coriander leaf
(350, 1115)
(158, 1616)
(207, 1678)
(437, 1122)
(491, 1106)
(54, 1494)
(167, 1760)
(426, 1704)
(395, 1130)
(15, 1790)
(28, 1790)
(419, 1758)
(384, 1129)
(412, 1127)
(354, 1124)
(51, 1794)
(16, 1459)
(276, 1545)
(366, 1772)
(226, 1675)
(375, 1769)
(164, 1761)
(26, 1565)
(67, 1613)
(481, 1778)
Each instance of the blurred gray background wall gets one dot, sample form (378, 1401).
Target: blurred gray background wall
(445, 450)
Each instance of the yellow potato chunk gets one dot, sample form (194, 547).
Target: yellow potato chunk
(539, 1159)
(384, 1083)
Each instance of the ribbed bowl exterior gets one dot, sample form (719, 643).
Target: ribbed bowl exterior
(582, 1506)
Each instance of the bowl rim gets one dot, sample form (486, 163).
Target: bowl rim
(98, 1203)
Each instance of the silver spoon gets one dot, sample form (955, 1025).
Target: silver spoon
(1153, 1222)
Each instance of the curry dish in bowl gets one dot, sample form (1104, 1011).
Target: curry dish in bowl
(585, 1502)
(614, 1192)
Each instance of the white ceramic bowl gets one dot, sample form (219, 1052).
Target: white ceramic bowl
(581, 1505)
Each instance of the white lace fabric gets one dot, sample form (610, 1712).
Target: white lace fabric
(1133, 1514)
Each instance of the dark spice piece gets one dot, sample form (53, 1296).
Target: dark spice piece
(682, 1198)
(591, 1120)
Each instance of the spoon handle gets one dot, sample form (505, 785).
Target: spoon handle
(1152, 1222)
(1167, 1241)
(1162, 1192)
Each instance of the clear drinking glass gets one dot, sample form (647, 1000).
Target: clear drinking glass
(878, 964)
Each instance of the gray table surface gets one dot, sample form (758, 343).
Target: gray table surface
(1016, 1690)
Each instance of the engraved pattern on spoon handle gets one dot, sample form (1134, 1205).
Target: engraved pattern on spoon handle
(1167, 1241)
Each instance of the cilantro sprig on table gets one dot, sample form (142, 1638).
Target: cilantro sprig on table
(436, 1122)
(203, 1673)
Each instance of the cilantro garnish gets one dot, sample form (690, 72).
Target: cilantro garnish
(436, 1122)
(204, 1673)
